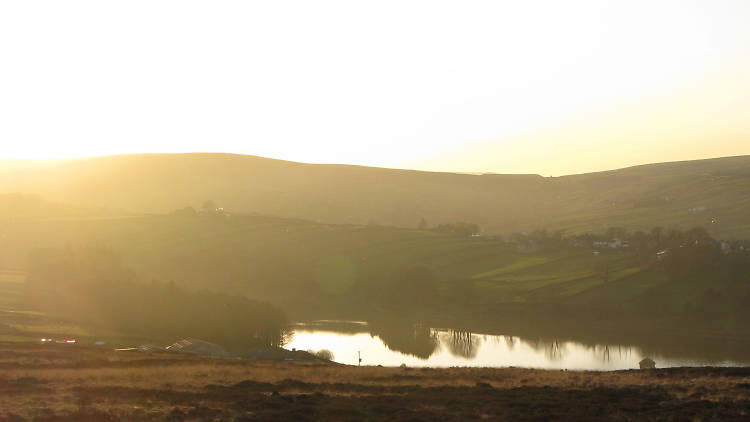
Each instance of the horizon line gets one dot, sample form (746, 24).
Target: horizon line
(224, 153)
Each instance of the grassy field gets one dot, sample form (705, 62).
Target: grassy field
(316, 270)
(250, 255)
(11, 287)
(20, 324)
(245, 253)
(63, 382)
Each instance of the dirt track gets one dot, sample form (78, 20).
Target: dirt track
(58, 382)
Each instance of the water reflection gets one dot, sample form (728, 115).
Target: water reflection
(414, 339)
(510, 341)
(462, 343)
(555, 350)
(417, 344)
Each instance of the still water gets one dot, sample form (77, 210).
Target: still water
(425, 346)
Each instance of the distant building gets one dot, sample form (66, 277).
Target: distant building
(614, 243)
(618, 243)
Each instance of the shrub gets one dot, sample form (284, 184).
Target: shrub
(324, 354)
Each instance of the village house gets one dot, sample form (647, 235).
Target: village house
(613, 243)
(618, 243)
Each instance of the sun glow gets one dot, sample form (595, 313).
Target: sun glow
(480, 86)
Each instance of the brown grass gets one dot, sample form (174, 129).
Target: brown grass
(49, 382)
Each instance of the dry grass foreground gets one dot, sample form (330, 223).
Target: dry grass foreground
(62, 382)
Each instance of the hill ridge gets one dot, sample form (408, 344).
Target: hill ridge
(637, 197)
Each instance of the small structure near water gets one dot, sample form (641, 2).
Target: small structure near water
(647, 363)
(150, 348)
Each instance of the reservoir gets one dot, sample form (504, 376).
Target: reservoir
(417, 346)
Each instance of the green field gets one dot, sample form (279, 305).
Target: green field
(317, 270)
(245, 253)
(100, 202)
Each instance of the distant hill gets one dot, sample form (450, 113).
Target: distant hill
(712, 193)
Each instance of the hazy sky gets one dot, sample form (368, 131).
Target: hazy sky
(549, 87)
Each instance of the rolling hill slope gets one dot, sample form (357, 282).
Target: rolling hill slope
(306, 265)
(279, 257)
(712, 193)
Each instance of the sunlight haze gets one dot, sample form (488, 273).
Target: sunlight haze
(507, 87)
(338, 210)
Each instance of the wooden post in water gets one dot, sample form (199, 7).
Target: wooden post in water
(359, 358)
